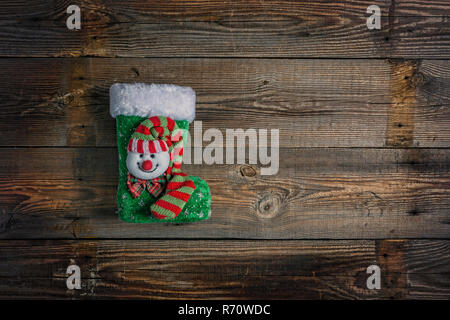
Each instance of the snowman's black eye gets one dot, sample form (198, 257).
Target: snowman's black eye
(152, 156)
(140, 156)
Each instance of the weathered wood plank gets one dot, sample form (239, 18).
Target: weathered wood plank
(192, 269)
(314, 103)
(410, 29)
(328, 193)
(428, 263)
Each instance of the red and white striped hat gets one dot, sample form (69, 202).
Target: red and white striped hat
(153, 135)
(147, 146)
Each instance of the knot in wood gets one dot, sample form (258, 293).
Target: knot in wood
(268, 206)
(247, 171)
(417, 79)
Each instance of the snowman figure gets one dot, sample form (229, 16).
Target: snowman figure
(147, 166)
(154, 165)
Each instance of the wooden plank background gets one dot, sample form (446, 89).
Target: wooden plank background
(226, 269)
(206, 28)
(364, 172)
(313, 102)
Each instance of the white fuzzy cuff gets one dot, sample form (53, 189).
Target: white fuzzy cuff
(140, 99)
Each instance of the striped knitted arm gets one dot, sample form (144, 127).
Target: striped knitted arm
(178, 192)
(177, 152)
(180, 186)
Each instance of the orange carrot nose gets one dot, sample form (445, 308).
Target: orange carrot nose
(147, 165)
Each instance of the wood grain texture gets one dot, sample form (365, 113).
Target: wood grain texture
(328, 193)
(314, 103)
(364, 172)
(180, 269)
(226, 29)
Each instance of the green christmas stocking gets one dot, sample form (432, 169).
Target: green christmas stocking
(152, 125)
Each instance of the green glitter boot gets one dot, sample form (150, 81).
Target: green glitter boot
(152, 188)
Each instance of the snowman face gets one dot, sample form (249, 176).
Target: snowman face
(147, 166)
